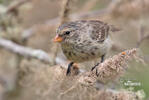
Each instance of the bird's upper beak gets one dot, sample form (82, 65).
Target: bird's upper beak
(58, 38)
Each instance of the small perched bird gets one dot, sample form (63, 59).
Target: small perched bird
(84, 40)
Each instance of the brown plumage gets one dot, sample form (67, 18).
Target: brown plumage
(84, 40)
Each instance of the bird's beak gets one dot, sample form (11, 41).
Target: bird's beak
(58, 38)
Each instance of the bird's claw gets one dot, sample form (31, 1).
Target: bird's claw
(97, 74)
(69, 68)
(95, 66)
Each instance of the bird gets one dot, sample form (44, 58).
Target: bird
(84, 40)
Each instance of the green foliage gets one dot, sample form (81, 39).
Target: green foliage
(136, 78)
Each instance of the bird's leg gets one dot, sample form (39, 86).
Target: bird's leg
(69, 68)
(102, 59)
(95, 66)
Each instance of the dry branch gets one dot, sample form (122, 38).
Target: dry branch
(109, 70)
(64, 16)
(15, 5)
(53, 83)
(25, 51)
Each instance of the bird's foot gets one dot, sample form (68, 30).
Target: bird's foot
(73, 69)
(69, 68)
(102, 60)
(97, 74)
(95, 66)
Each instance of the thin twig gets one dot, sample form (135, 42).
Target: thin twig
(64, 16)
(15, 5)
(141, 36)
(68, 90)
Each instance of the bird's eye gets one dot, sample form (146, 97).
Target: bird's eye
(67, 32)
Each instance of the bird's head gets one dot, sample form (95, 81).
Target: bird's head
(63, 34)
(67, 32)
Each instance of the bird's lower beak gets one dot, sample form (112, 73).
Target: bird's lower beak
(58, 39)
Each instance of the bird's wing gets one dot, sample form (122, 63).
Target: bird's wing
(99, 30)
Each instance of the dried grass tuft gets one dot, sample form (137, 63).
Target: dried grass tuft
(51, 82)
(110, 69)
